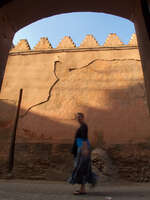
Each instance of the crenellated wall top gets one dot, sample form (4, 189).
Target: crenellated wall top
(67, 43)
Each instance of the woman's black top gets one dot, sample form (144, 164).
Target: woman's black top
(82, 132)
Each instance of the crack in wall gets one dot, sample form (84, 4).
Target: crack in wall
(49, 94)
(85, 66)
(70, 69)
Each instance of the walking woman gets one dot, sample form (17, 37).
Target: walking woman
(82, 172)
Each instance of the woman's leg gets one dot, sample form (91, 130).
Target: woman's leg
(81, 191)
(82, 188)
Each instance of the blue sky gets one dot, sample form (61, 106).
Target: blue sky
(77, 26)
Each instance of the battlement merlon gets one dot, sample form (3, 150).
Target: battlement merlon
(67, 43)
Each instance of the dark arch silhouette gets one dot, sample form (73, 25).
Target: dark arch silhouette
(15, 14)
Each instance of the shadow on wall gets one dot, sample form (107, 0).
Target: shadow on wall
(35, 155)
(124, 120)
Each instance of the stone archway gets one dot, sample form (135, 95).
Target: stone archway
(15, 14)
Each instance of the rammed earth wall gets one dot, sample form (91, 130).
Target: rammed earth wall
(104, 82)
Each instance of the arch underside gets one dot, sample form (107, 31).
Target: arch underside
(22, 13)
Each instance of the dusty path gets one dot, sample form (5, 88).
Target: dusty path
(42, 190)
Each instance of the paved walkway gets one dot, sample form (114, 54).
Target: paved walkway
(42, 190)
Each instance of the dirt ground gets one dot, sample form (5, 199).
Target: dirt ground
(44, 190)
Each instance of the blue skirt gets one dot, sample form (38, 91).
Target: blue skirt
(82, 172)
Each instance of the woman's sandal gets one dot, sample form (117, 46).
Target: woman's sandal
(79, 193)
